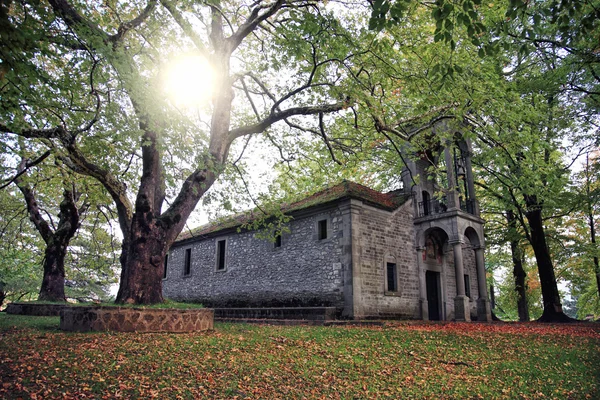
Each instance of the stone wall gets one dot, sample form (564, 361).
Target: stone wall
(125, 319)
(450, 284)
(304, 271)
(471, 270)
(387, 237)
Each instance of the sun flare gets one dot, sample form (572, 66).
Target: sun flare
(189, 81)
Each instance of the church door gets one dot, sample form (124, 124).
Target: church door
(432, 280)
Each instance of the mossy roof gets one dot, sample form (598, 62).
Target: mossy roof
(344, 190)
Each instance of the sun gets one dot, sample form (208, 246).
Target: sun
(189, 81)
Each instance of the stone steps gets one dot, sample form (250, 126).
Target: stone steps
(294, 322)
(321, 314)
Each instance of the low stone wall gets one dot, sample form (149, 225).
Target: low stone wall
(40, 310)
(278, 313)
(125, 319)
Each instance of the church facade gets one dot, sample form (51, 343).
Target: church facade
(408, 254)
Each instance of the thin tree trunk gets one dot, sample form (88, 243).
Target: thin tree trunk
(518, 271)
(551, 298)
(2, 293)
(520, 282)
(593, 240)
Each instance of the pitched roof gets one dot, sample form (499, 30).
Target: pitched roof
(344, 190)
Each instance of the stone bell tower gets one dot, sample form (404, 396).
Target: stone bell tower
(448, 229)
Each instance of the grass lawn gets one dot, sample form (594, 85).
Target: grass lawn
(399, 360)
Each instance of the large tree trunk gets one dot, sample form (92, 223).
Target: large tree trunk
(150, 237)
(53, 282)
(551, 298)
(518, 271)
(143, 263)
(151, 233)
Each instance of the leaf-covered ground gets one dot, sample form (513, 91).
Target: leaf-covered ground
(399, 360)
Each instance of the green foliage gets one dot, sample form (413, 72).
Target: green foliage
(20, 255)
(92, 263)
(579, 260)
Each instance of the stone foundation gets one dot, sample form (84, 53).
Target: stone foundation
(125, 319)
(39, 310)
(278, 313)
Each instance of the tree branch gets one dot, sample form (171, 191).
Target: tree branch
(75, 20)
(253, 21)
(35, 215)
(281, 115)
(134, 23)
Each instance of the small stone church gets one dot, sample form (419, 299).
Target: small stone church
(414, 253)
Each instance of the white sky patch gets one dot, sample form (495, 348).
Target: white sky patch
(189, 81)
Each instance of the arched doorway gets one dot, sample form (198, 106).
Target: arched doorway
(434, 280)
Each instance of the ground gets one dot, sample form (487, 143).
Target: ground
(397, 360)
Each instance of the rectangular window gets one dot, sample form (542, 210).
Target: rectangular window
(467, 286)
(392, 281)
(165, 266)
(187, 266)
(322, 228)
(221, 255)
(277, 240)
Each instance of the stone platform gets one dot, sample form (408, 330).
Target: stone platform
(128, 319)
(35, 309)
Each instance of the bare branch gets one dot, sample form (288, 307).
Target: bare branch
(248, 190)
(28, 164)
(395, 128)
(326, 140)
(98, 102)
(412, 178)
(246, 91)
